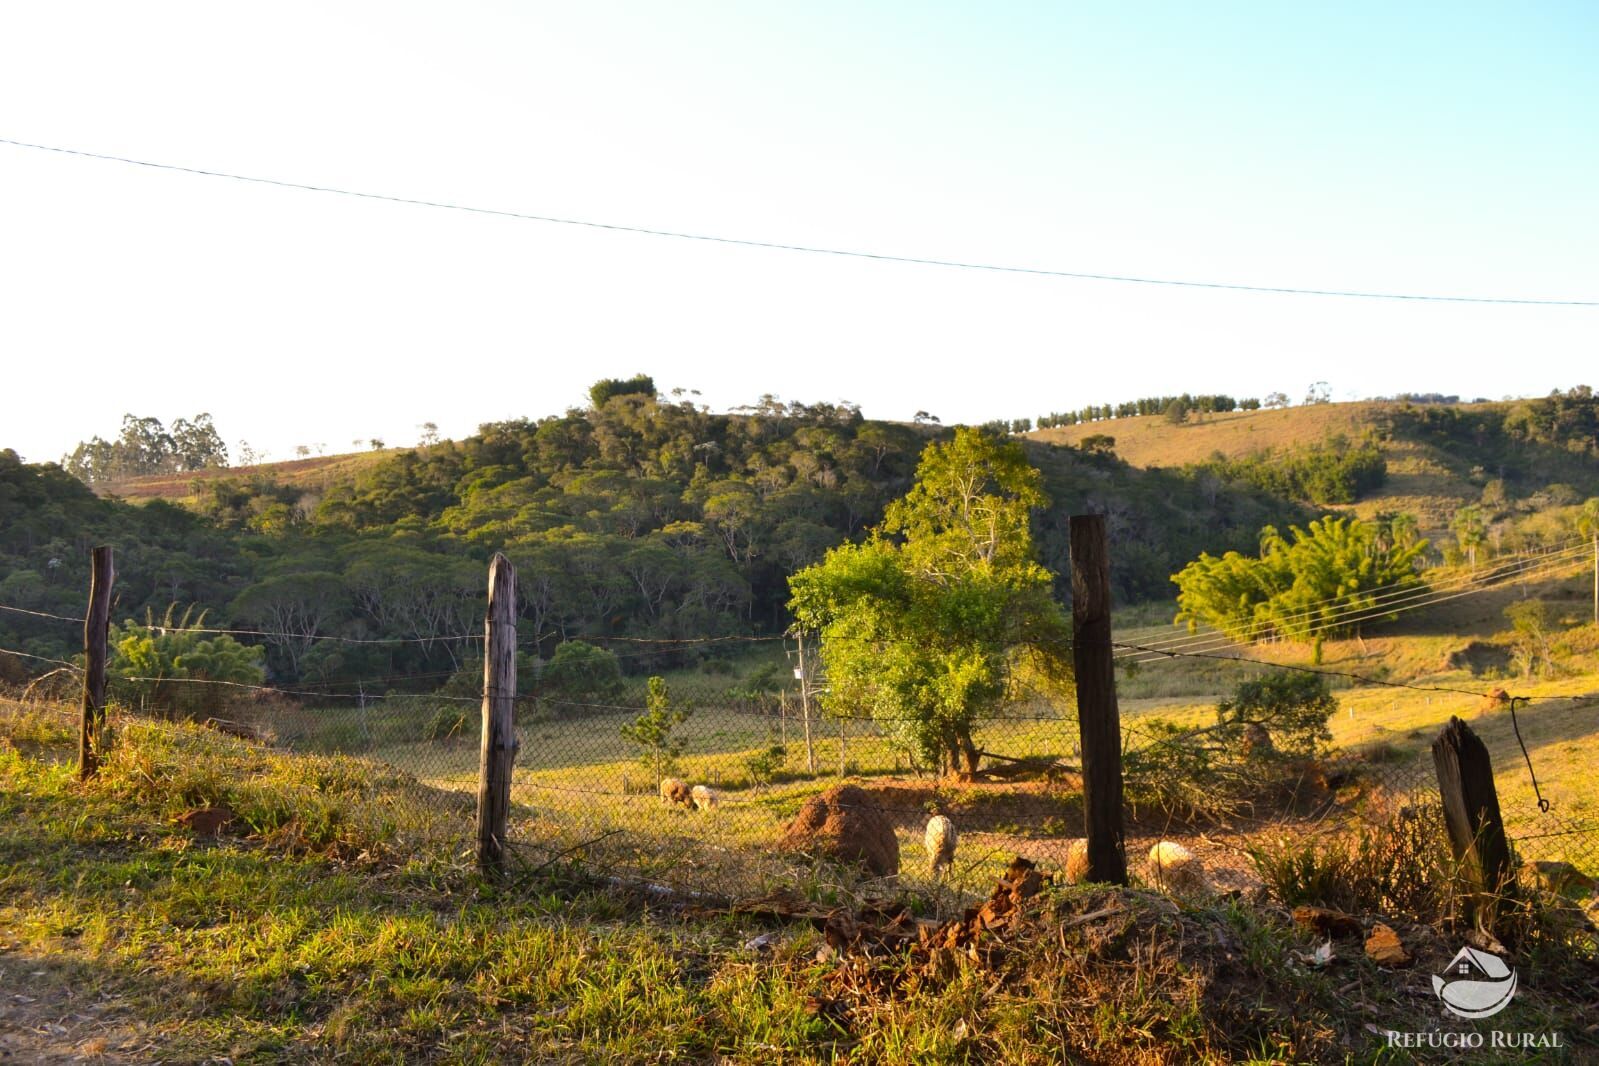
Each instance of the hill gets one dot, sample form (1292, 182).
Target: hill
(1515, 458)
(314, 474)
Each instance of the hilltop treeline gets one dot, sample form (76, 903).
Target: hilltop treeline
(637, 516)
(146, 446)
(1149, 405)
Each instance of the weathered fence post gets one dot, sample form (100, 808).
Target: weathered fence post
(499, 718)
(803, 673)
(1471, 814)
(1098, 717)
(96, 632)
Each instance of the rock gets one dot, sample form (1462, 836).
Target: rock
(1077, 861)
(845, 824)
(1384, 947)
(1327, 922)
(206, 821)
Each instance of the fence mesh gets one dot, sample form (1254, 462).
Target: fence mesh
(751, 747)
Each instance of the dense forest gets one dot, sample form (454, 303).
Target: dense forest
(642, 515)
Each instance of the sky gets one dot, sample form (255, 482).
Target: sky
(1417, 148)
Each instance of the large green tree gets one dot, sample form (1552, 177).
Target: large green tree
(944, 613)
(1324, 580)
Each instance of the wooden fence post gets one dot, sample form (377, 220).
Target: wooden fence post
(1471, 814)
(1098, 718)
(96, 632)
(499, 716)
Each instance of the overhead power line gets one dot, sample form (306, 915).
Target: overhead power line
(811, 249)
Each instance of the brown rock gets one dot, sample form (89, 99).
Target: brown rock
(206, 821)
(1384, 947)
(1327, 922)
(845, 824)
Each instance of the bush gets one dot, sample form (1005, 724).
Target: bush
(764, 766)
(447, 723)
(580, 669)
(1263, 737)
(1401, 868)
(163, 667)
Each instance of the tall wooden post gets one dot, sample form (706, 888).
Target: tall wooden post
(1098, 717)
(804, 675)
(96, 632)
(1471, 814)
(499, 717)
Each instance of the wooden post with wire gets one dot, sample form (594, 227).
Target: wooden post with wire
(1471, 815)
(803, 674)
(96, 635)
(499, 717)
(1098, 717)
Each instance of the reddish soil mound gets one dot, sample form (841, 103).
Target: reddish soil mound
(845, 824)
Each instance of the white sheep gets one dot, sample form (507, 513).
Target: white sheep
(940, 840)
(705, 799)
(1177, 869)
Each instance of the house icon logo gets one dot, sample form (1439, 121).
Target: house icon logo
(1475, 984)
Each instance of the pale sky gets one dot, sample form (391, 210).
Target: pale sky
(1422, 148)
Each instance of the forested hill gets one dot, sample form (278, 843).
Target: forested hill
(1514, 458)
(637, 516)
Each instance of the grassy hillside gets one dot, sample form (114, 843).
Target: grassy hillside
(315, 475)
(1421, 478)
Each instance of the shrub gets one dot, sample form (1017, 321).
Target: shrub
(447, 723)
(1401, 867)
(764, 766)
(164, 667)
(580, 669)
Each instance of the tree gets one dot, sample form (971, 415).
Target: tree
(943, 614)
(1470, 530)
(1316, 583)
(430, 434)
(652, 730)
(1276, 400)
(638, 385)
(1176, 412)
(1530, 640)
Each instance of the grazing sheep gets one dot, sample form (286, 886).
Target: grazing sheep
(1177, 869)
(1077, 861)
(705, 799)
(675, 792)
(940, 839)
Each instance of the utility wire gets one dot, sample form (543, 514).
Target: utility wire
(809, 249)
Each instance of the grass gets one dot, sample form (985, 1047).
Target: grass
(364, 943)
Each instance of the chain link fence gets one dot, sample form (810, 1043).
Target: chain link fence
(692, 769)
